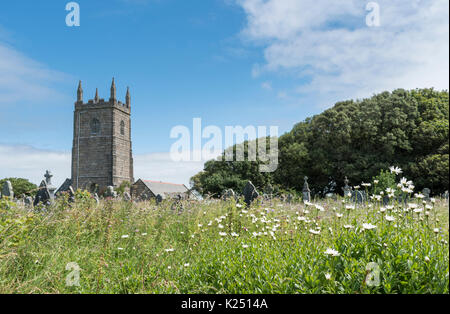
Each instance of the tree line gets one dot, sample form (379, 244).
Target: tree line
(355, 139)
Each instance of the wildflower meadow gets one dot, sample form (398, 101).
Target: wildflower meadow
(217, 246)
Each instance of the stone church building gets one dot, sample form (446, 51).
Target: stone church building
(102, 149)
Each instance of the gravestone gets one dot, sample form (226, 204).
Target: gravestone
(385, 200)
(7, 190)
(28, 201)
(48, 182)
(177, 204)
(426, 192)
(228, 194)
(357, 197)
(347, 189)
(110, 192)
(96, 198)
(445, 196)
(71, 194)
(43, 195)
(306, 191)
(269, 191)
(159, 199)
(250, 193)
(126, 196)
(289, 198)
(330, 188)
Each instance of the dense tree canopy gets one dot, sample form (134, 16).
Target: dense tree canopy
(356, 139)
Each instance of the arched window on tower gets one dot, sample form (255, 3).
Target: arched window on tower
(95, 126)
(122, 127)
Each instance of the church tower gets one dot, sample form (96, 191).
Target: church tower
(101, 151)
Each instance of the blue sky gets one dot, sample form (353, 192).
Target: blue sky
(229, 62)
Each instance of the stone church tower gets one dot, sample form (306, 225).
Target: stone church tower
(101, 151)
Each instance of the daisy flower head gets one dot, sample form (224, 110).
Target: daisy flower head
(395, 170)
(368, 226)
(332, 252)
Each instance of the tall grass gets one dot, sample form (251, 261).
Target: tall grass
(223, 247)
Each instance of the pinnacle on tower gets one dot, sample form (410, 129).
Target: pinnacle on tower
(96, 99)
(128, 98)
(79, 93)
(113, 91)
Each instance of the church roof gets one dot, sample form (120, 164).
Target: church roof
(164, 188)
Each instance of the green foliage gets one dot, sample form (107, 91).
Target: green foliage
(122, 187)
(14, 229)
(21, 186)
(386, 179)
(357, 139)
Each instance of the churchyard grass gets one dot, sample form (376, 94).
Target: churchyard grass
(217, 246)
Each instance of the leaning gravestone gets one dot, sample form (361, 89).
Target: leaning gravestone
(71, 194)
(426, 192)
(306, 191)
(250, 193)
(7, 190)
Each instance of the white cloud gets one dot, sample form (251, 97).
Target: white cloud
(31, 163)
(23, 79)
(160, 167)
(336, 56)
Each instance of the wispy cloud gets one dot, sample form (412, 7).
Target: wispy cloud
(334, 55)
(24, 79)
(31, 163)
